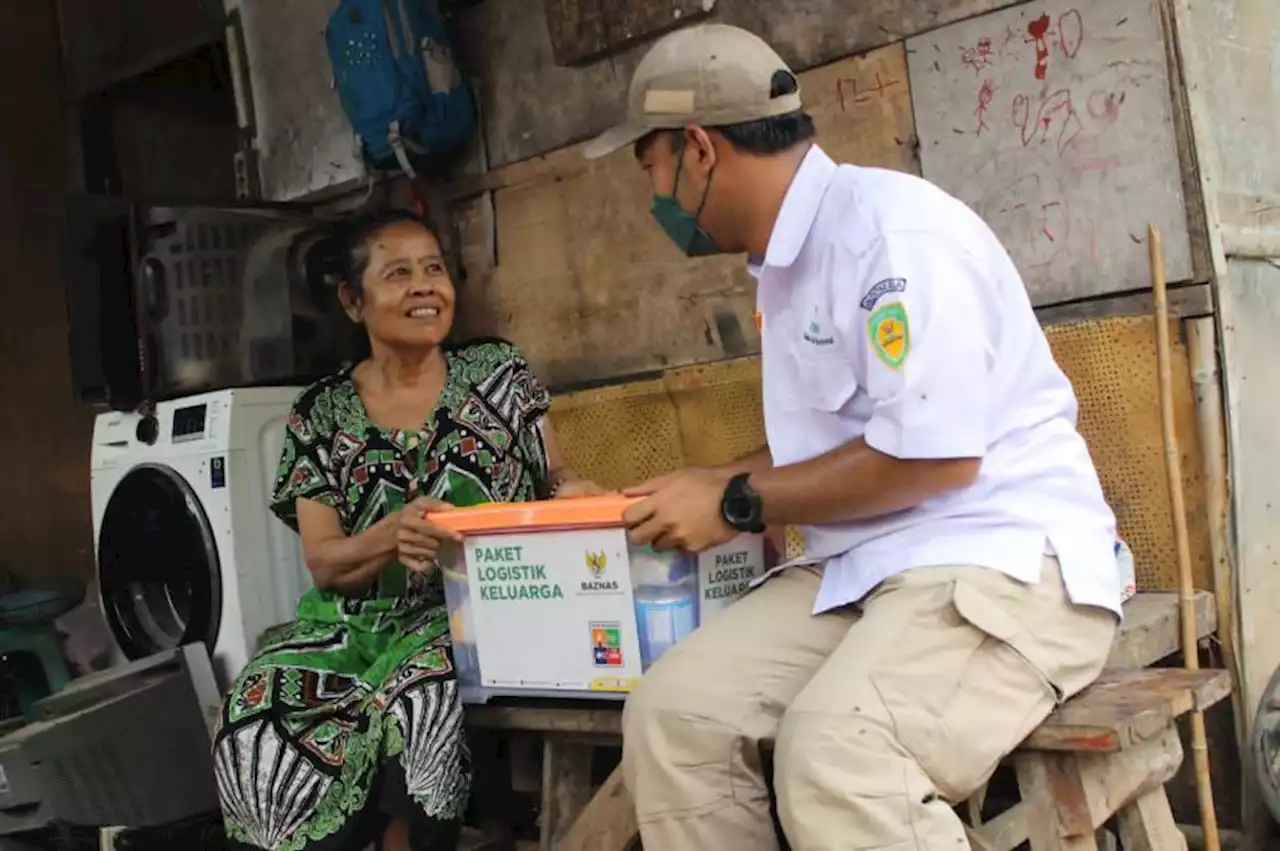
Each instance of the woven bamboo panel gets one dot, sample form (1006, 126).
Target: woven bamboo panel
(1112, 364)
(719, 409)
(620, 435)
(711, 414)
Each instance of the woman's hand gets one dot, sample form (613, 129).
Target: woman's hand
(576, 488)
(417, 539)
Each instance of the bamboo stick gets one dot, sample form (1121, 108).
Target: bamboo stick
(1186, 590)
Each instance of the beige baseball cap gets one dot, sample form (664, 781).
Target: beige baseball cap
(709, 74)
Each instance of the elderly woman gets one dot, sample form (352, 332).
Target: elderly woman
(347, 727)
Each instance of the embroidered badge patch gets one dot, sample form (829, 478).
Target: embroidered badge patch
(888, 285)
(889, 334)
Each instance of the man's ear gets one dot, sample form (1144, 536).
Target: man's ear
(701, 148)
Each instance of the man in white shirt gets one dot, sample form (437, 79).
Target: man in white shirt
(960, 577)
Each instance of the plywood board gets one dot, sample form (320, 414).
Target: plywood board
(1054, 121)
(592, 288)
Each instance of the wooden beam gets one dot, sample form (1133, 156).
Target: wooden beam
(1123, 709)
(608, 823)
(1185, 302)
(1149, 631)
(1250, 243)
(566, 787)
(555, 720)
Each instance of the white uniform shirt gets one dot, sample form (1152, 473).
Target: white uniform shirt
(890, 311)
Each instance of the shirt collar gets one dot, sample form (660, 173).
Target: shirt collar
(799, 208)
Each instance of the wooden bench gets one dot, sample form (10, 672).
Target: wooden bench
(1106, 753)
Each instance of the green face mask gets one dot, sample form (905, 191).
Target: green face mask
(682, 226)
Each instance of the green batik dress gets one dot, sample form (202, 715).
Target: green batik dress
(351, 713)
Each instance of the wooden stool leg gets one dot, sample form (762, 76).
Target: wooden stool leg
(1057, 812)
(1147, 824)
(608, 823)
(566, 787)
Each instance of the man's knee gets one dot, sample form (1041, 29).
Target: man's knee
(842, 754)
(676, 691)
(837, 769)
(679, 742)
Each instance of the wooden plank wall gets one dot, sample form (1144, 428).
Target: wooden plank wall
(532, 105)
(561, 255)
(587, 283)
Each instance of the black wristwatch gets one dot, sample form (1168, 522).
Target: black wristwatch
(741, 506)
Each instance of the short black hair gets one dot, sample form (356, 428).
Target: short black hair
(343, 254)
(762, 137)
(767, 136)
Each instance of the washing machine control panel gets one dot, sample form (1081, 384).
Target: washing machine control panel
(188, 423)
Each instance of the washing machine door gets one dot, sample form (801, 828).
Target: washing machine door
(158, 569)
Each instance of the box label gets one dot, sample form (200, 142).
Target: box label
(554, 610)
(726, 571)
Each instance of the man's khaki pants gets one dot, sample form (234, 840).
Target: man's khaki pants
(883, 714)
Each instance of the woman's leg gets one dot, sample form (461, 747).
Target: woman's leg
(426, 782)
(396, 836)
(430, 836)
(294, 754)
(411, 828)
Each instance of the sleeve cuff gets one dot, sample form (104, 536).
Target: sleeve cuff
(921, 444)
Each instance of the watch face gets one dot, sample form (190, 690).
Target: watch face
(738, 508)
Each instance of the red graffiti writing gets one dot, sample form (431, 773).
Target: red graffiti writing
(1104, 106)
(1037, 33)
(849, 90)
(986, 94)
(979, 56)
(1032, 210)
(1087, 156)
(1057, 111)
(1070, 33)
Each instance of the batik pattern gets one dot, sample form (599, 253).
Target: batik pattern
(359, 693)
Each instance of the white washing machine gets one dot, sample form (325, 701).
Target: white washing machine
(187, 548)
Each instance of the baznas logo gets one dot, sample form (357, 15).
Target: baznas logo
(596, 563)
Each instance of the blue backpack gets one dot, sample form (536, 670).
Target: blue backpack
(394, 70)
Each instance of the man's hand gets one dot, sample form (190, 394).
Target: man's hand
(682, 511)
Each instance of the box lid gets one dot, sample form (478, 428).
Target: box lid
(591, 512)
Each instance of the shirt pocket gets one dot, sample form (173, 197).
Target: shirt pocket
(825, 382)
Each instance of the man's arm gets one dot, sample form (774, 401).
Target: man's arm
(922, 352)
(855, 482)
(754, 462)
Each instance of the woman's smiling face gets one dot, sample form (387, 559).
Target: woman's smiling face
(405, 297)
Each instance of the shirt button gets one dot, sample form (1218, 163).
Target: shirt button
(413, 442)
